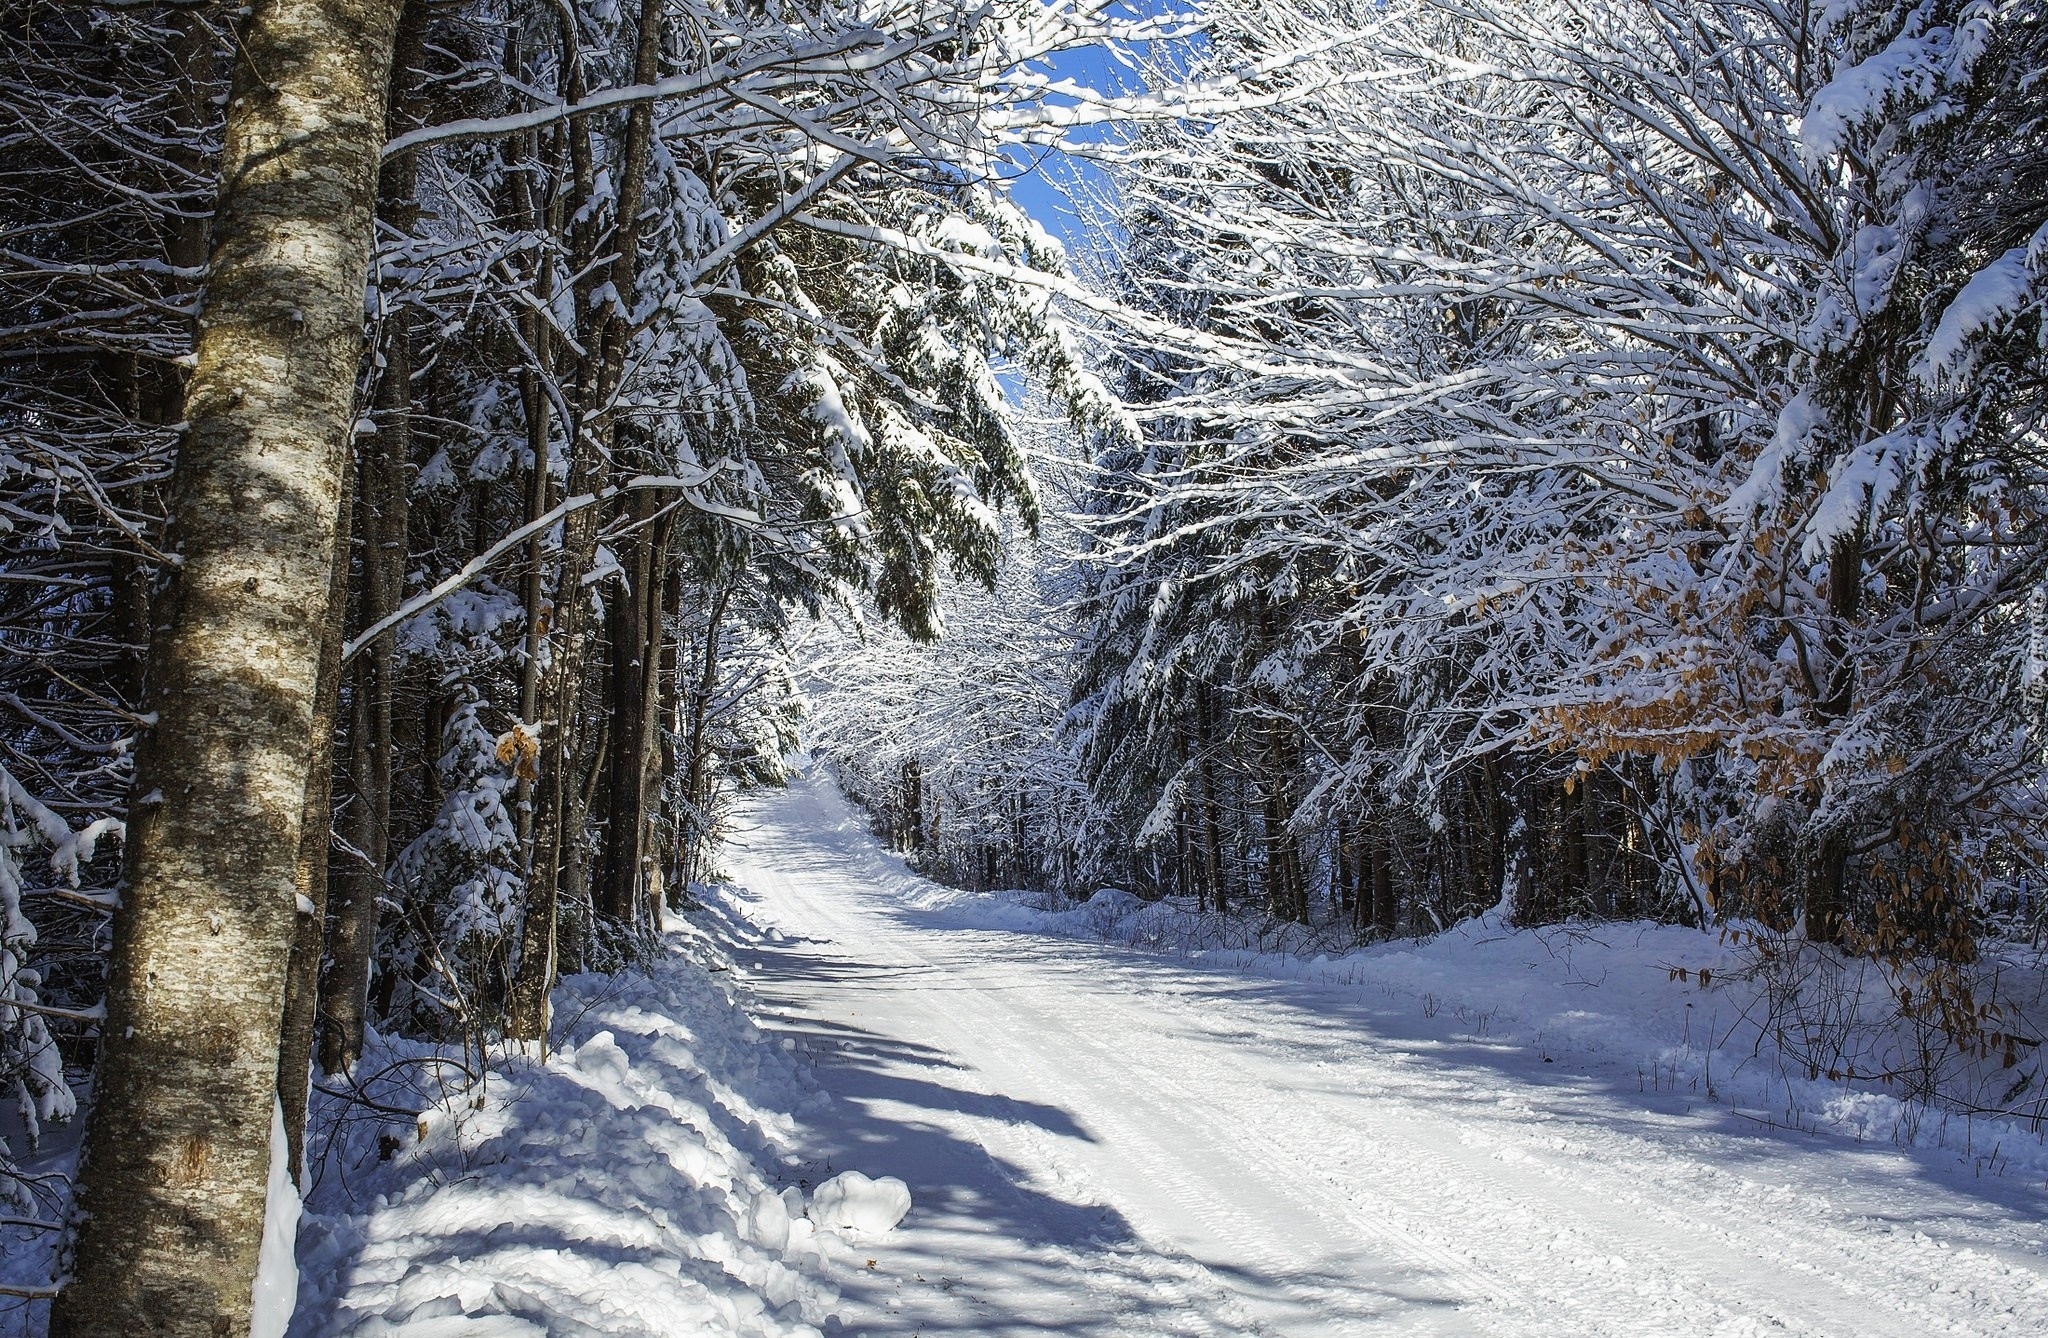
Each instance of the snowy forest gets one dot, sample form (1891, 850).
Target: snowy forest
(1531, 463)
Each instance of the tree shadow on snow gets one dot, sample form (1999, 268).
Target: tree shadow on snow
(984, 1251)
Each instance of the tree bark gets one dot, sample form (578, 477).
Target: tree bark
(600, 374)
(1343, 875)
(634, 618)
(913, 806)
(1385, 912)
(659, 706)
(316, 836)
(537, 369)
(1827, 879)
(173, 1188)
(383, 522)
(160, 394)
(1599, 852)
(345, 988)
(1286, 889)
(1570, 878)
(693, 834)
(1212, 808)
(636, 612)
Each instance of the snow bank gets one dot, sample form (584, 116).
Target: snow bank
(1783, 1037)
(633, 1184)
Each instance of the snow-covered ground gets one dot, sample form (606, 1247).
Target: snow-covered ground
(1103, 1140)
(1779, 1033)
(1491, 1134)
(647, 1179)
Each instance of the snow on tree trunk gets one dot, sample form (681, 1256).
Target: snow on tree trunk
(176, 1178)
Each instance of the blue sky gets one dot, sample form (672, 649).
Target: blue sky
(1038, 179)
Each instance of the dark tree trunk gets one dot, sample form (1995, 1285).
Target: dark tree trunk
(1212, 808)
(383, 521)
(600, 373)
(1386, 913)
(913, 806)
(1827, 878)
(1286, 889)
(626, 621)
(1571, 855)
(693, 832)
(1343, 876)
(635, 619)
(360, 886)
(1600, 862)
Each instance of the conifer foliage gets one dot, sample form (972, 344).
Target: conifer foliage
(1573, 458)
(682, 323)
(1590, 467)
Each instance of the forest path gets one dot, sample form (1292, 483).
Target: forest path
(1101, 1141)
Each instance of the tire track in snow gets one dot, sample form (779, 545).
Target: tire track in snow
(1292, 1172)
(1040, 1056)
(1694, 1203)
(1131, 1108)
(1568, 1228)
(1182, 1293)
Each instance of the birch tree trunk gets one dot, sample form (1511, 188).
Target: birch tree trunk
(316, 836)
(659, 710)
(177, 1164)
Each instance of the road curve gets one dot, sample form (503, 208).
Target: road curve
(1105, 1142)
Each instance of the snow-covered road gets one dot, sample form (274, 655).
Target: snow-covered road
(1101, 1141)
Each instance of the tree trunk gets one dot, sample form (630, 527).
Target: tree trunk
(383, 521)
(158, 387)
(384, 507)
(316, 832)
(913, 806)
(693, 825)
(1212, 808)
(1499, 810)
(1827, 880)
(1599, 853)
(1385, 913)
(537, 363)
(664, 591)
(1570, 877)
(600, 375)
(1343, 876)
(174, 1184)
(618, 886)
(1286, 889)
(635, 633)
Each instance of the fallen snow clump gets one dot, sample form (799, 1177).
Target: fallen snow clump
(850, 1201)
